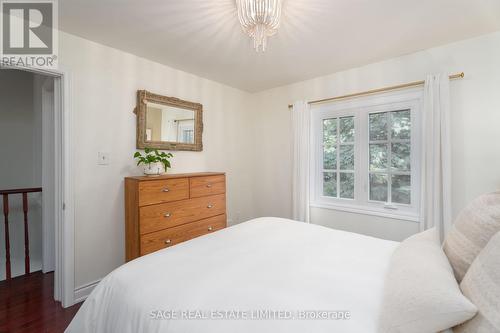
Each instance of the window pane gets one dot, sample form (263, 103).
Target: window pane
(330, 184)
(330, 132)
(378, 187)
(347, 157)
(401, 124)
(347, 129)
(330, 157)
(378, 157)
(330, 143)
(401, 189)
(347, 185)
(400, 156)
(378, 126)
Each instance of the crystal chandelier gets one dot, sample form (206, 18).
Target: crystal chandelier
(260, 19)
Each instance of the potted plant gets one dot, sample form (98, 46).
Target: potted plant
(155, 163)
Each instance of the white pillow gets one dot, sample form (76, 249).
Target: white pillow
(472, 230)
(421, 294)
(481, 285)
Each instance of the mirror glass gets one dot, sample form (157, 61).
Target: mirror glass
(166, 123)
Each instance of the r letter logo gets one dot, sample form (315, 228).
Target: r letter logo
(28, 33)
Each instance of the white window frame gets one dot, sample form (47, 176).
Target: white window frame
(361, 108)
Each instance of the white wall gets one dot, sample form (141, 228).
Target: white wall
(475, 120)
(20, 166)
(104, 86)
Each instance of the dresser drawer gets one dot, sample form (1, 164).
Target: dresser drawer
(168, 237)
(158, 191)
(167, 215)
(209, 185)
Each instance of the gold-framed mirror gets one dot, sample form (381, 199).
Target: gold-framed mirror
(168, 123)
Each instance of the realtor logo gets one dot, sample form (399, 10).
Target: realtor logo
(29, 33)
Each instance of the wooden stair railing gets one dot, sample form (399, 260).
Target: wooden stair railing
(5, 194)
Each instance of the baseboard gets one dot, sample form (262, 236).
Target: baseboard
(82, 292)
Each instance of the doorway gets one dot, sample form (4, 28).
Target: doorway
(40, 177)
(21, 175)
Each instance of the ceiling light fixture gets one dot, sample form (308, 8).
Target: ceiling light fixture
(260, 19)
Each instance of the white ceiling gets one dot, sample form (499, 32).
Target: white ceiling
(316, 37)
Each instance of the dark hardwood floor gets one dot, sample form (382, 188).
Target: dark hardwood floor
(27, 305)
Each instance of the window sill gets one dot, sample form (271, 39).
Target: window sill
(405, 216)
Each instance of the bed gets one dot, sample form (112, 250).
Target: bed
(264, 275)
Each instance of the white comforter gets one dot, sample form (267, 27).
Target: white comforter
(269, 264)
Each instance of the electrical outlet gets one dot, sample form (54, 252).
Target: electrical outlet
(102, 158)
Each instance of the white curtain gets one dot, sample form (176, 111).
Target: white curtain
(301, 119)
(436, 157)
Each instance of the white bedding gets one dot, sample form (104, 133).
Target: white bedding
(265, 264)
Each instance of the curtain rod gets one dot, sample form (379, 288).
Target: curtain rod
(369, 92)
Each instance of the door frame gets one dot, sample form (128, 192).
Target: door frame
(45, 85)
(64, 213)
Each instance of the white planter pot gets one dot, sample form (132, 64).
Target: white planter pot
(154, 169)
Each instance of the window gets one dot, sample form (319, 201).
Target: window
(338, 157)
(366, 155)
(390, 156)
(187, 135)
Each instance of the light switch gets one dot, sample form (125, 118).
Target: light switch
(102, 158)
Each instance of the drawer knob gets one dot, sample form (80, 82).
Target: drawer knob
(210, 205)
(167, 215)
(165, 190)
(210, 229)
(209, 185)
(168, 241)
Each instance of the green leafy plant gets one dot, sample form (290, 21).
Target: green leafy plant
(153, 156)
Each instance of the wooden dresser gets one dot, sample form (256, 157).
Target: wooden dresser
(167, 210)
